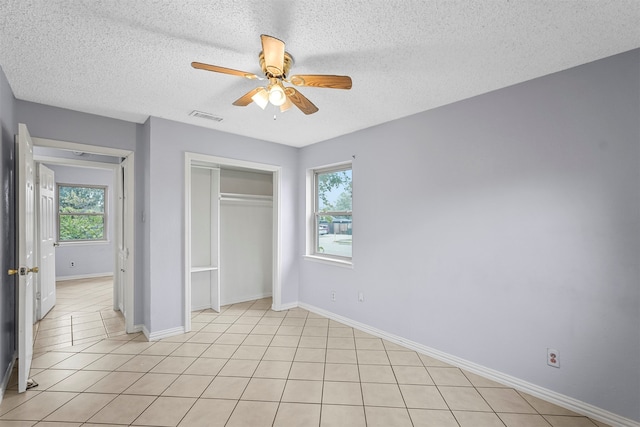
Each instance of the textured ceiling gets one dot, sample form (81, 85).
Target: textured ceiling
(130, 59)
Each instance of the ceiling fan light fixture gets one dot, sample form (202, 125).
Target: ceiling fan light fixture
(276, 95)
(276, 63)
(287, 104)
(261, 98)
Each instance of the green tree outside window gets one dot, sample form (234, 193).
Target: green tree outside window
(81, 213)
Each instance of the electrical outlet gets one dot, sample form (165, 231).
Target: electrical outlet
(72, 264)
(553, 358)
(360, 297)
(333, 296)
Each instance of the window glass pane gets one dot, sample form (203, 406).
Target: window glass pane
(81, 227)
(332, 212)
(81, 199)
(334, 235)
(334, 191)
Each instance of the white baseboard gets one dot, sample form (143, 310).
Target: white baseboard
(83, 276)
(245, 299)
(287, 306)
(155, 336)
(551, 396)
(7, 376)
(136, 329)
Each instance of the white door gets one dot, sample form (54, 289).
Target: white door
(26, 246)
(120, 260)
(46, 294)
(125, 247)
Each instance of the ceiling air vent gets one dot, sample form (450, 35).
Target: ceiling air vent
(203, 115)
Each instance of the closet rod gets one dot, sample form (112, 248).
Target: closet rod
(234, 197)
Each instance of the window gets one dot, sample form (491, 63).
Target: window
(81, 213)
(332, 216)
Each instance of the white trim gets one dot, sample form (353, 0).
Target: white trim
(276, 249)
(155, 336)
(311, 199)
(84, 242)
(83, 276)
(328, 261)
(7, 376)
(244, 299)
(106, 214)
(188, 163)
(207, 161)
(129, 221)
(145, 332)
(63, 161)
(137, 328)
(287, 306)
(551, 396)
(73, 146)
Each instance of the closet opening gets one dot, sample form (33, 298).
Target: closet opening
(231, 233)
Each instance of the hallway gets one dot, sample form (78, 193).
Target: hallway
(83, 314)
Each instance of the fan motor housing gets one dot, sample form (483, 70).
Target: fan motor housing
(287, 64)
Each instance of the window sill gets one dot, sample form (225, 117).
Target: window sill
(85, 243)
(329, 261)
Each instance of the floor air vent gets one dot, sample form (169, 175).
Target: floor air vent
(203, 115)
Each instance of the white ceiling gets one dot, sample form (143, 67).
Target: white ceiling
(129, 59)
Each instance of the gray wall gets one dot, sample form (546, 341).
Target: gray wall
(517, 230)
(168, 143)
(8, 128)
(90, 258)
(56, 123)
(518, 224)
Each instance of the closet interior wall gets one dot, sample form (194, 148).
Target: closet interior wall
(246, 235)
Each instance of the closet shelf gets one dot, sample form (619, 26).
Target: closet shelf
(245, 198)
(203, 268)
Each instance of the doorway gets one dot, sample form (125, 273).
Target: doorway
(199, 161)
(121, 163)
(83, 314)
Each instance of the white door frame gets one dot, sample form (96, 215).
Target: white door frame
(128, 222)
(195, 159)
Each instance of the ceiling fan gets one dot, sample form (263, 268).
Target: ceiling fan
(275, 64)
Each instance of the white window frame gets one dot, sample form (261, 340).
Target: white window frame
(314, 215)
(105, 238)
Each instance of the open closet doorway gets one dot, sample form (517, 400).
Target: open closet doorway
(232, 229)
(97, 275)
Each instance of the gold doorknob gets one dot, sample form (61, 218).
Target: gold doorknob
(23, 271)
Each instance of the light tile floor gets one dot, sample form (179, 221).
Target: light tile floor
(83, 314)
(251, 366)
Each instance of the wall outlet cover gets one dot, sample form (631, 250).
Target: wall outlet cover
(553, 357)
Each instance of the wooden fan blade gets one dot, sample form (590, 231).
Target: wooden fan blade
(223, 70)
(301, 101)
(273, 50)
(245, 99)
(320, 80)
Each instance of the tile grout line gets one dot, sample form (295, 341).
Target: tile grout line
(474, 386)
